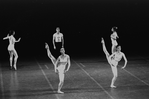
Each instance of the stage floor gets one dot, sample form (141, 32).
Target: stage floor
(86, 79)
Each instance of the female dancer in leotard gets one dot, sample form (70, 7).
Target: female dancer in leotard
(60, 65)
(11, 49)
(113, 60)
(114, 36)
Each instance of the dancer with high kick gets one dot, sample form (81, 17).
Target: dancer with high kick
(113, 60)
(114, 36)
(61, 65)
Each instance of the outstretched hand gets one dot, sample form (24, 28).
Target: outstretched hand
(102, 40)
(19, 39)
(54, 47)
(6, 37)
(123, 67)
(46, 46)
(65, 71)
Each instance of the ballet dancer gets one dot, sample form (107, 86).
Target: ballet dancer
(114, 36)
(113, 60)
(60, 65)
(11, 48)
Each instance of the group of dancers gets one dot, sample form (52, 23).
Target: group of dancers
(62, 63)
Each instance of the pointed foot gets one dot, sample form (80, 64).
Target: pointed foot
(60, 92)
(15, 68)
(112, 86)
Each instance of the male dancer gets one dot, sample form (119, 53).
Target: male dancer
(58, 40)
(11, 49)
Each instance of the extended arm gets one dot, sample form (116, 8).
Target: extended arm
(18, 40)
(68, 64)
(7, 37)
(125, 60)
(54, 41)
(62, 41)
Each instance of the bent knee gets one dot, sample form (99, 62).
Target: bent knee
(115, 75)
(16, 57)
(10, 58)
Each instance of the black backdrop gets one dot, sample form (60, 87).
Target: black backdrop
(83, 23)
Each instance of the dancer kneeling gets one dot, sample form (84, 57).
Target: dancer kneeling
(113, 60)
(60, 65)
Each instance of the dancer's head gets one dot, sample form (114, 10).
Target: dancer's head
(114, 29)
(12, 32)
(118, 48)
(57, 29)
(62, 50)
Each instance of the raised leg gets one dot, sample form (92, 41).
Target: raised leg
(105, 50)
(49, 54)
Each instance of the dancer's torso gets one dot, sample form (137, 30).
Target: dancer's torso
(58, 37)
(116, 58)
(63, 59)
(11, 43)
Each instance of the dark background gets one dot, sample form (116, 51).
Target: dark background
(83, 23)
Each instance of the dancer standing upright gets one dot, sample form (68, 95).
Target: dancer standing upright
(11, 48)
(58, 40)
(114, 36)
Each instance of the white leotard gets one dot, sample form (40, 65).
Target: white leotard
(11, 43)
(63, 61)
(116, 58)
